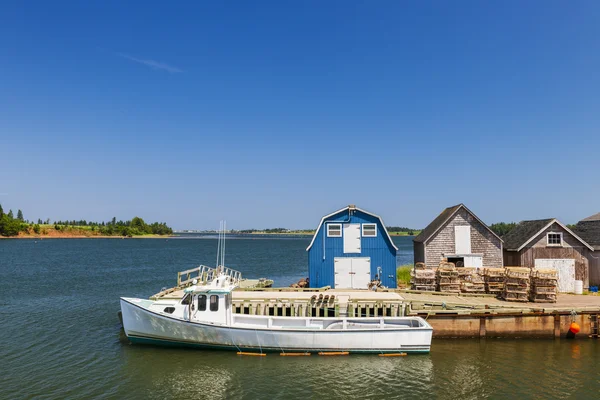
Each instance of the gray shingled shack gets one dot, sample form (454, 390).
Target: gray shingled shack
(460, 236)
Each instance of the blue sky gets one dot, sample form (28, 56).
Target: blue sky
(276, 113)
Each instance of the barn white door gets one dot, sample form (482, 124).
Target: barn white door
(462, 239)
(351, 238)
(352, 273)
(342, 268)
(566, 272)
(361, 272)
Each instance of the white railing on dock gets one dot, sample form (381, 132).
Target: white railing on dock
(204, 274)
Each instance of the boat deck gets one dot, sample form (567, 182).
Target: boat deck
(275, 294)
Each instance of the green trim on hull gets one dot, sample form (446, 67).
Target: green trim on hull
(174, 343)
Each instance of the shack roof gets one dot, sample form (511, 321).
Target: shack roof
(589, 230)
(595, 217)
(348, 208)
(442, 219)
(526, 231)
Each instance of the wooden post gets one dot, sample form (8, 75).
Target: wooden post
(556, 326)
(482, 328)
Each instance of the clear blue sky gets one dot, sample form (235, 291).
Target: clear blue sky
(276, 113)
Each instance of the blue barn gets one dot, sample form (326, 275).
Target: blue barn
(348, 249)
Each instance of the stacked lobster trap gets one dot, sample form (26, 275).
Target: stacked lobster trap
(516, 284)
(470, 280)
(422, 278)
(544, 285)
(447, 278)
(494, 280)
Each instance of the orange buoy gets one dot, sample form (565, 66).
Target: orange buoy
(334, 353)
(244, 353)
(575, 328)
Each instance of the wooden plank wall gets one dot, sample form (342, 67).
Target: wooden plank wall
(529, 254)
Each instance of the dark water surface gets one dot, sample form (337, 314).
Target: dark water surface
(60, 335)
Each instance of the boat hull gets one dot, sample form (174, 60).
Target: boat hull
(144, 326)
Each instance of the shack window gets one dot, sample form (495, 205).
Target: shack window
(334, 230)
(369, 230)
(214, 302)
(554, 239)
(202, 302)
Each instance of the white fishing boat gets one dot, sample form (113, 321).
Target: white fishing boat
(204, 316)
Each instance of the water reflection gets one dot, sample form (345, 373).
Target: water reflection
(176, 373)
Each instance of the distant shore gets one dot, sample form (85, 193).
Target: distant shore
(40, 237)
(49, 232)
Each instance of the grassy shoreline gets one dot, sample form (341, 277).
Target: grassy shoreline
(76, 232)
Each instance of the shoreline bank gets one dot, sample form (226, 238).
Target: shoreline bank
(42, 237)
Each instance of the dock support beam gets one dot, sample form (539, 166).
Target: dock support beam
(556, 326)
(482, 330)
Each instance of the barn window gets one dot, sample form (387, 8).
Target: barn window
(369, 230)
(554, 239)
(334, 230)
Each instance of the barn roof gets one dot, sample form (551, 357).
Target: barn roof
(442, 219)
(526, 231)
(353, 208)
(589, 230)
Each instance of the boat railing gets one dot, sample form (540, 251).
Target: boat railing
(204, 274)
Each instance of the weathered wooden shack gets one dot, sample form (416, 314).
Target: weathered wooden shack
(589, 230)
(549, 244)
(460, 236)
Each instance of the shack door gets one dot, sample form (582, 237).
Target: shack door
(352, 272)
(566, 272)
(473, 261)
(351, 238)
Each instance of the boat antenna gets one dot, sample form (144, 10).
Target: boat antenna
(219, 245)
(223, 245)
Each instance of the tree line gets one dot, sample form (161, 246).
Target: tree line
(11, 226)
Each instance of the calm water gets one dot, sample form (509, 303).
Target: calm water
(60, 335)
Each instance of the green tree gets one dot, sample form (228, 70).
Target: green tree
(10, 226)
(20, 216)
(1, 210)
(10, 214)
(502, 228)
(36, 228)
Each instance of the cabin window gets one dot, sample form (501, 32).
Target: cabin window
(369, 230)
(214, 303)
(202, 302)
(334, 230)
(554, 239)
(169, 310)
(187, 299)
